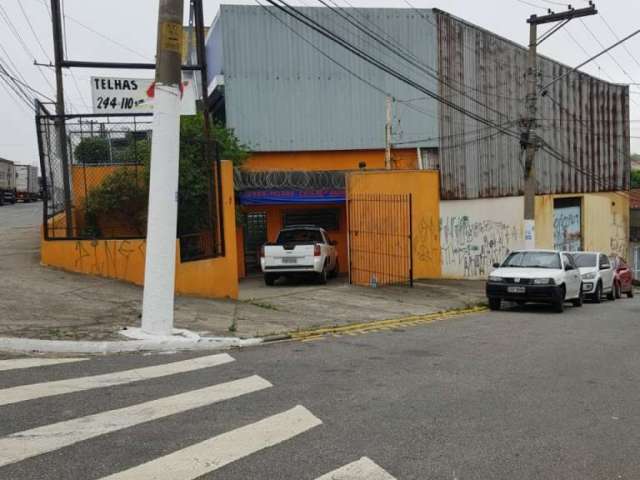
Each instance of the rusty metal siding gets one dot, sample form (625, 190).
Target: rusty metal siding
(584, 119)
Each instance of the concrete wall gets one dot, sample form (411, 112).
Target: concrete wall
(605, 222)
(423, 187)
(125, 259)
(476, 233)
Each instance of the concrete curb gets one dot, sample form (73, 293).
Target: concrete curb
(166, 344)
(378, 324)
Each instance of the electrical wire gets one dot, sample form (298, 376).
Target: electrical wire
(302, 18)
(35, 35)
(615, 35)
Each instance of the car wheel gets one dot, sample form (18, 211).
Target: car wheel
(577, 302)
(630, 292)
(611, 296)
(322, 277)
(597, 295)
(336, 269)
(558, 306)
(494, 303)
(269, 279)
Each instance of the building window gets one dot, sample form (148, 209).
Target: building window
(328, 219)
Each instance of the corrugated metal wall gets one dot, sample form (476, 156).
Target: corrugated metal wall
(281, 94)
(584, 119)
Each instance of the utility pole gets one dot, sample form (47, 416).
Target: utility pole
(160, 261)
(63, 151)
(529, 138)
(387, 133)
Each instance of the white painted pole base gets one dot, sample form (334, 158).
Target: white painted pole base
(529, 234)
(160, 261)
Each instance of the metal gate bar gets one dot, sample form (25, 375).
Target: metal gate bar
(380, 239)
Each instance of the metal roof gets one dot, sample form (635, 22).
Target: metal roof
(584, 119)
(282, 94)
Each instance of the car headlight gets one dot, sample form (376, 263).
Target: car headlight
(589, 276)
(543, 281)
(493, 278)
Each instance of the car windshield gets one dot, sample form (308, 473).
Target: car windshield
(585, 259)
(532, 260)
(300, 236)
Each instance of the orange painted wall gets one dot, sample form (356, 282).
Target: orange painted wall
(329, 160)
(423, 185)
(124, 259)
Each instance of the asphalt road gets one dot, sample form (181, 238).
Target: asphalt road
(521, 394)
(20, 215)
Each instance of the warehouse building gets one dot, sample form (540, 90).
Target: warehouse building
(310, 110)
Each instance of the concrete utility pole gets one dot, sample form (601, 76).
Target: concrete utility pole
(58, 54)
(160, 262)
(529, 136)
(387, 133)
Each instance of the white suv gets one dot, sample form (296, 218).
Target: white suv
(597, 274)
(540, 276)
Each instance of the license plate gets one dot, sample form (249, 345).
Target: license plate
(289, 260)
(516, 289)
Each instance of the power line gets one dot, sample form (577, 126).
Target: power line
(306, 20)
(615, 35)
(590, 59)
(4, 71)
(25, 47)
(35, 35)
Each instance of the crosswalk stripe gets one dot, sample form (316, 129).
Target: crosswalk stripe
(16, 363)
(363, 469)
(214, 453)
(22, 445)
(59, 387)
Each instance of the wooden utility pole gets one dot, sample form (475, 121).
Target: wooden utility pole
(160, 261)
(63, 151)
(387, 133)
(529, 138)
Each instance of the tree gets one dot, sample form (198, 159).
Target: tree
(92, 150)
(123, 195)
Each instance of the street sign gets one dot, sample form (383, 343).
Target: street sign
(134, 95)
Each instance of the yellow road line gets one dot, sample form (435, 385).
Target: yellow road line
(380, 325)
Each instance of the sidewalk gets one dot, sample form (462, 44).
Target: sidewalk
(43, 303)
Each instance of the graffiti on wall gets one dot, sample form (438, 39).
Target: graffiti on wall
(619, 235)
(471, 247)
(108, 258)
(566, 228)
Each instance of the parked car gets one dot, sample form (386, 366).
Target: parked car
(622, 276)
(539, 276)
(597, 274)
(301, 250)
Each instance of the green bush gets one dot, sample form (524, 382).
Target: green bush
(92, 151)
(123, 196)
(635, 178)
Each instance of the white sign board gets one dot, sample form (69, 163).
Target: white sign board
(134, 95)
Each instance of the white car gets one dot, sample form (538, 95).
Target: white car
(540, 276)
(300, 250)
(597, 274)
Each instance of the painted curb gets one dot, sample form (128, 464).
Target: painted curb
(382, 324)
(31, 345)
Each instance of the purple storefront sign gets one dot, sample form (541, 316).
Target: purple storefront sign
(292, 197)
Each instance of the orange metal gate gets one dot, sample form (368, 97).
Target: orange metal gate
(380, 239)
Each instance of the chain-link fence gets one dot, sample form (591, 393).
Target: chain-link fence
(99, 189)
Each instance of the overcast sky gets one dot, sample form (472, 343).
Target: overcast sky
(132, 24)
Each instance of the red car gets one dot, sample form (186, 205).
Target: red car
(622, 276)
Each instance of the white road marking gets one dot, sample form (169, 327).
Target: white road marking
(59, 387)
(22, 445)
(35, 362)
(363, 469)
(212, 454)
